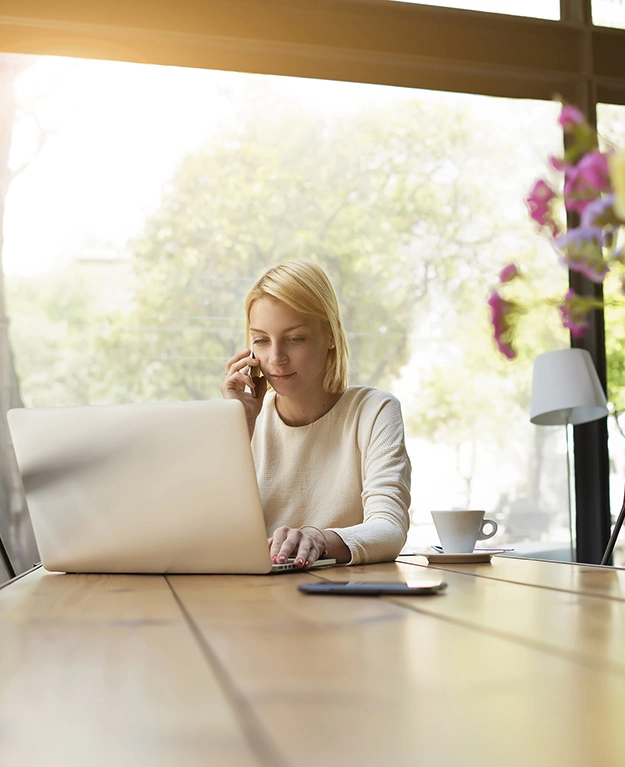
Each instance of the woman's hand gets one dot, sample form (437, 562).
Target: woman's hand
(237, 378)
(306, 545)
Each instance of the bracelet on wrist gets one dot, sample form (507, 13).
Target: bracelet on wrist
(324, 553)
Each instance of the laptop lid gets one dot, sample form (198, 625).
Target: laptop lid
(142, 488)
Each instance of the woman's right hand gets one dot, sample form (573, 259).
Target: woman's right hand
(237, 379)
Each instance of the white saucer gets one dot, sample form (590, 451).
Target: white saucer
(475, 557)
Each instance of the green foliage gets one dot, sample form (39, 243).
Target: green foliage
(56, 323)
(615, 346)
(470, 391)
(374, 198)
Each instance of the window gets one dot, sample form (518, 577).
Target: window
(540, 9)
(499, 54)
(156, 213)
(608, 13)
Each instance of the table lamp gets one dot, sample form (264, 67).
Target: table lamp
(566, 391)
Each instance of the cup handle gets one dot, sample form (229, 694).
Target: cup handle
(483, 536)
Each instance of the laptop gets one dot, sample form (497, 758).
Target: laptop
(143, 488)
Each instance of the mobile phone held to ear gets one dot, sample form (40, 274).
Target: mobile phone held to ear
(364, 588)
(254, 372)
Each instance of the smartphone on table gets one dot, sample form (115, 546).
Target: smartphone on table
(367, 588)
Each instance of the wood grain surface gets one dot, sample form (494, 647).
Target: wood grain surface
(518, 663)
(103, 670)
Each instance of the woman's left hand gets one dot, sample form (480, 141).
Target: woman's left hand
(305, 545)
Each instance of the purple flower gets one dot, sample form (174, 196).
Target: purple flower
(509, 273)
(581, 250)
(574, 312)
(599, 212)
(500, 312)
(539, 203)
(570, 116)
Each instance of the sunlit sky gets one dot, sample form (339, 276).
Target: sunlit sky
(604, 12)
(543, 9)
(119, 132)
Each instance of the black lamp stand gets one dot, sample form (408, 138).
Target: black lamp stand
(617, 529)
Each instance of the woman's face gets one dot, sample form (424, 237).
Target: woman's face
(291, 347)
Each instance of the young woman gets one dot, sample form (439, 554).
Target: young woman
(331, 461)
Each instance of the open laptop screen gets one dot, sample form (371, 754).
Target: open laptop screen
(150, 488)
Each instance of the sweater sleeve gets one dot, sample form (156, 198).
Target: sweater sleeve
(386, 475)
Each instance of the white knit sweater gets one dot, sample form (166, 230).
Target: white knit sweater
(348, 472)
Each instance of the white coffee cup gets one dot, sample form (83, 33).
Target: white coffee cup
(460, 529)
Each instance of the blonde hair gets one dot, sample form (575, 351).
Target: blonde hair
(305, 287)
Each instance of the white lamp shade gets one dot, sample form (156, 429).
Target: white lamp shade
(566, 389)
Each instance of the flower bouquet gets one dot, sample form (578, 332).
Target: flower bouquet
(593, 194)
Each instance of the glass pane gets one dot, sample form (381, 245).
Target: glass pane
(539, 9)
(134, 235)
(608, 13)
(611, 125)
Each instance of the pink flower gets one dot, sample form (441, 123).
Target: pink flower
(570, 116)
(500, 314)
(585, 181)
(593, 169)
(594, 189)
(509, 273)
(574, 312)
(539, 203)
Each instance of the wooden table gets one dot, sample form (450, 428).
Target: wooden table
(519, 662)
